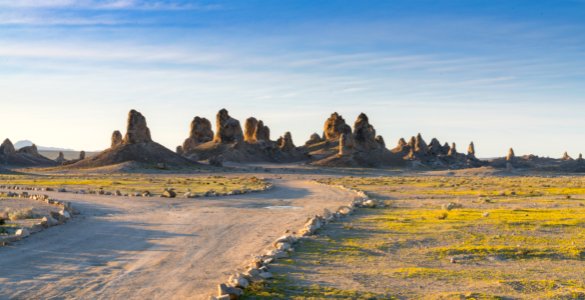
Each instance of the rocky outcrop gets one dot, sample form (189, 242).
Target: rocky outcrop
(31, 150)
(61, 158)
(346, 144)
(434, 147)
(420, 146)
(116, 139)
(136, 129)
(81, 155)
(471, 150)
(250, 130)
(136, 147)
(335, 126)
(285, 143)
(7, 147)
(262, 132)
(566, 156)
(364, 134)
(313, 139)
(511, 155)
(24, 157)
(452, 150)
(228, 129)
(199, 133)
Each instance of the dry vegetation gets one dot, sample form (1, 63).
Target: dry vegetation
(128, 184)
(446, 238)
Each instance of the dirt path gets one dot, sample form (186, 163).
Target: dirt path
(153, 248)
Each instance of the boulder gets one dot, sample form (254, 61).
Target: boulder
(23, 232)
(228, 129)
(169, 193)
(116, 138)
(335, 126)
(233, 292)
(136, 130)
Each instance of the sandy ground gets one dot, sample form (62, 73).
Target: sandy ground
(154, 248)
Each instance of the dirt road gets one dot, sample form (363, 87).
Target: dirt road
(153, 248)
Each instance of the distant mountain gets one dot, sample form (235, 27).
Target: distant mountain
(26, 143)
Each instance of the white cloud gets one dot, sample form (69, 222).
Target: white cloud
(104, 4)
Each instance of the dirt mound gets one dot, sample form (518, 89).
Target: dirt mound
(137, 146)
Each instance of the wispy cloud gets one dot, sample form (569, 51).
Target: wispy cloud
(105, 4)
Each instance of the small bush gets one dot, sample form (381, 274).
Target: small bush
(20, 214)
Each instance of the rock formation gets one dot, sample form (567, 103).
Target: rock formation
(199, 133)
(7, 147)
(61, 158)
(313, 139)
(346, 144)
(137, 131)
(250, 130)
(285, 143)
(335, 126)
(380, 141)
(566, 156)
(136, 147)
(510, 155)
(435, 147)
(262, 132)
(81, 155)
(452, 150)
(420, 146)
(116, 138)
(32, 150)
(364, 134)
(25, 157)
(228, 129)
(471, 150)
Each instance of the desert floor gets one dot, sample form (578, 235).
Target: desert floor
(157, 248)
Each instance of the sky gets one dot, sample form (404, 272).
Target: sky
(499, 73)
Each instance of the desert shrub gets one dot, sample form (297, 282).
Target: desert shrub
(20, 214)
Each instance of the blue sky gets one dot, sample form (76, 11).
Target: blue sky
(501, 73)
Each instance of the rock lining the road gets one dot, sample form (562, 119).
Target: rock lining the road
(259, 269)
(53, 219)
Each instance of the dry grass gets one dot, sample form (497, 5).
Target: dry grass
(156, 184)
(518, 238)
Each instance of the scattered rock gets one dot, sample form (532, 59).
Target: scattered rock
(169, 193)
(23, 232)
